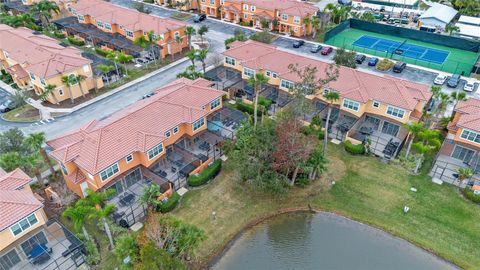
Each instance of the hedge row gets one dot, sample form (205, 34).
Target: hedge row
(170, 204)
(248, 108)
(208, 173)
(468, 193)
(355, 149)
(101, 52)
(75, 41)
(59, 34)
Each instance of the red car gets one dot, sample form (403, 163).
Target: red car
(326, 50)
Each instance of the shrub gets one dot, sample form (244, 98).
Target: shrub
(244, 23)
(76, 41)
(148, 1)
(468, 193)
(93, 257)
(264, 101)
(302, 182)
(170, 204)
(59, 34)
(345, 58)
(264, 37)
(358, 149)
(385, 65)
(101, 52)
(248, 108)
(321, 134)
(208, 173)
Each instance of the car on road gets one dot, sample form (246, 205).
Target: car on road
(440, 79)
(453, 81)
(7, 106)
(469, 86)
(372, 61)
(326, 50)
(298, 43)
(399, 67)
(315, 48)
(359, 58)
(199, 17)
(148, 95)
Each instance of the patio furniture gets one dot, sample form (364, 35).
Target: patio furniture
(366, 130)
(173, 170)
(128, 199)
(39, 253)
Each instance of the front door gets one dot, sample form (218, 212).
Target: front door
(84, 187)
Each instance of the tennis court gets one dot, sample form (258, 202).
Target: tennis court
(402, 48)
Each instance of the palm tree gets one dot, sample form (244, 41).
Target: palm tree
(113, 56)
(178, 41)
(257, 81)
(35, 142)
(153, 41)
(100, 209)
(457, 97)
(80, 78)
(306, 21)
(189, 32)
(202, 56)
(44, 10)
(202, 31)
(331, 97)
(413, 129)
(192, 56)
(105, 69)
(124, 58)
(78, 215)
(450, 28)
(315, 25)
(67, 81)
(47, 92)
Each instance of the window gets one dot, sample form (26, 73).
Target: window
(274, 75)
(295, 29)
(155, 151)
(245, 16)
(252, 8)
(176, 35)
(117, 188)
(248, 72)
(175, 130)
(129, 33)
(86, 68)
(9, 260)
(350, 104)
(212, 2)
(296, 19)
(230, 61)
(42, 81)
(268, 73)
(376, 104)
(23, 224)
(222, 2)
(38, 238)
(108, 26)
(214, 104)
(168, 134)
(390, 129)
(99, 23)
(64, 169)
(109, 172)
(287, 84)
(393, 111)
(60, 92)
(284, 17)
(198, 124)
(80, 18)
(129, 158)
(133, 177)
(122, 27)
(6, 54)
(470, 136)
(31, 75)
(462, 153)
(245, 7)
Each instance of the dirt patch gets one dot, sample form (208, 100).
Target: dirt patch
(31, 112)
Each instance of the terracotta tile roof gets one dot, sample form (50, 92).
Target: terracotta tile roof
(470, 114)
(39, 54)
(290, 7)
(130, 19)
(15, 205)
(18, 71)
(138, 127)
(76, 177)
(13, 180)
(352, 84)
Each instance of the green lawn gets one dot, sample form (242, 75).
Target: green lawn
(25, 113)
(366, 190)
(458, 61)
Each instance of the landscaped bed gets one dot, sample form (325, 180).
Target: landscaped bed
(366, 190)
(25, 113)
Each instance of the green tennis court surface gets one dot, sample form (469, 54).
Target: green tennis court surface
(432, 56)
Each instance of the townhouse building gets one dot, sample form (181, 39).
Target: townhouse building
(161, 139)
(286, 16)
(461, 147)
(28, 240)
(36, 61)
(370, 106)
(169, 34)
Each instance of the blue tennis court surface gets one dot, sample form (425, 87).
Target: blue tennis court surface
(403, 49)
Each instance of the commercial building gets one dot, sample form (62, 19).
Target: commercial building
(437, 15)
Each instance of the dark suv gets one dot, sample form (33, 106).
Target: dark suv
(453, 81)
(199, 17)
(359, 58)
(399, 67)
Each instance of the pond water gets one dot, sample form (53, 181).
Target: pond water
(323, 241)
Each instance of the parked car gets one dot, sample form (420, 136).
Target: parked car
(399, 67)
(7, 106)
(199, 17)
(359, 58)
(315, 48)
(141, 61)
(469, 86)
(326, 50)
(440, 79)
(298, 43)
(372, 61)
(453, 81)
(148, 95)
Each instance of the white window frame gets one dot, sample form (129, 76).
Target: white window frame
(245, 7)
(268, 73)
(129, 33)
(395, 112)
(253, 8)
(376, 104)
(230, 60)
(129, 158)
(106, 171)
(108, 26)
(245, 16)
(467, 133)
(100, 24)
(196, 125)
(351, 105)
(287, 84)
(215, 104)
(80, 17)
(284, 17)
(296, 19)
(22, 230)
(176, 34)
(168, 134)
(175, 130)
(42, 81)
(274, 75)
(32, 76)
(246, 72)
(60, 92)
(155, 151)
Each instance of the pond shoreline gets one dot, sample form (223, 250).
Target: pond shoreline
(215, 258)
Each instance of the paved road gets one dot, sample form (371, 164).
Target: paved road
(218, 32)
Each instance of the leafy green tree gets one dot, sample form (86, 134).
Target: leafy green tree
(150, 195)
(152, 257)
(257, 81)
(35, 142)
(12, 140)
(345, 58)
(124, 58)
(9, 161)
(19, 98)
(44, 10)
(316, 164)
(15, 21)
(153, 44)
(126, 247)
(190, 73)
(451, 28)
(100, 210)
(367, 16)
